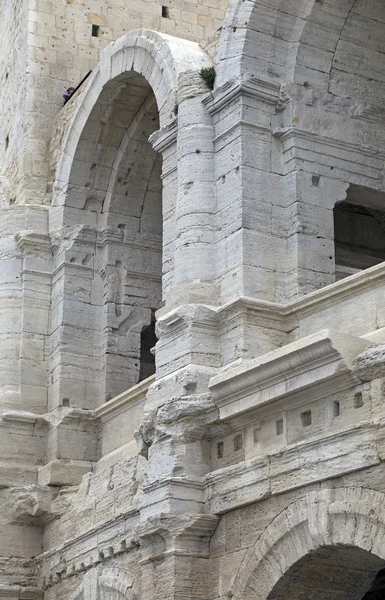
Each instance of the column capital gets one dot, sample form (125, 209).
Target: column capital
(178, 535)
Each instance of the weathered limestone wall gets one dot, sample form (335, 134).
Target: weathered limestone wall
(254, 546)
(62, 50)
(310, 124)
(260, 438)
(14, 80)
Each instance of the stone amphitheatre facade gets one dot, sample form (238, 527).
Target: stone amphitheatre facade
(240, 231)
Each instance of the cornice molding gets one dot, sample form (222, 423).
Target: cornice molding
(56, 566)
(13, 418)
(30, 241)
(264, 91)
(285, 372)
(314, 301)
(288, 133)
(186, 535)
(166, 137)
(132, 397)
(21, 593)
(259, 478)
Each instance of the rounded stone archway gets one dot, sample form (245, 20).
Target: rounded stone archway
(330, 573)
(336, 46)
(110, 230)
(327, 545)
(107, 242)
(159, 58)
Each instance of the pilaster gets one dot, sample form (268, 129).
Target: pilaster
(175, 549)
(250, 253)
(173, 437)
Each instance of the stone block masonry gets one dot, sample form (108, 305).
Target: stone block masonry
(192, 300)
(49, 46)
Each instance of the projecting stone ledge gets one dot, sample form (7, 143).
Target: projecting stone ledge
(69, 472)
(312, 362)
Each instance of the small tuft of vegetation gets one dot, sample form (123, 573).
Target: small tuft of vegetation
(208, 75)
(176, 109)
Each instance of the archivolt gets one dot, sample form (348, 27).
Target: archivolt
(157, 57)
(352, 517)
(273, 40)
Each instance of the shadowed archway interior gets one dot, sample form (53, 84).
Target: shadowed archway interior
(359, 231)
(115, 193)
(333, 573)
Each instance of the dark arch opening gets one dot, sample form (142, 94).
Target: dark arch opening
(332, 573)
(359, 231)
(377, 587)
(113, 219)
(148, 341)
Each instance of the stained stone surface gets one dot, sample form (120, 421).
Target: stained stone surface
(241, 230)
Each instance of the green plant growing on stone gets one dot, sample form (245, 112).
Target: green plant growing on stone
(208, 75)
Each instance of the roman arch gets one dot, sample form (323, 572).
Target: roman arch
(309, 41)
(328, 543)
(310, 79)
(112, 222)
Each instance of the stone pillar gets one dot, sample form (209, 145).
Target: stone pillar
(173, 551)
(250, 255)
(75, 319)
(25, 287)
(308, 222)
(37, 280)
(12, 219)
(304, 158)
(275, 203)
(178, 408)
(195, 269)
(174, 526)
(74, 367)
(164, 141)
(179, 411)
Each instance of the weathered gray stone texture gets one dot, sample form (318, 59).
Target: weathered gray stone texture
(242, 456)
(49, 46)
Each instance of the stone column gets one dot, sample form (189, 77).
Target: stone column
(179, 411)
(12, 219)
(74, 351)
(175, 526)
(307, 159)
(36, 280)
(195, 268)
(308, 222)
(164, 141)
(75, 319)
